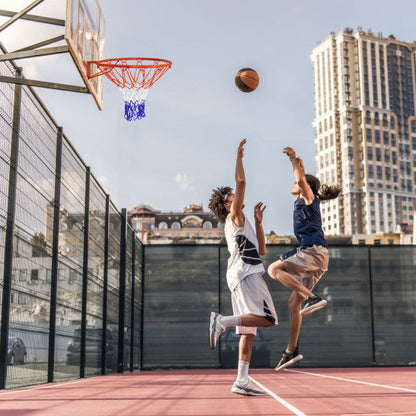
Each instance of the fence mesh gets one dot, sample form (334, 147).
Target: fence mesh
(169, 291)
(84, 268)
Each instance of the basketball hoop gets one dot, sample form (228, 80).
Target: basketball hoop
(134, 77)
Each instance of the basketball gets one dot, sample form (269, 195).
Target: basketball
(247, 80)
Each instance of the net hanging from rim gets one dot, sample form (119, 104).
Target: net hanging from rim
(134, 77)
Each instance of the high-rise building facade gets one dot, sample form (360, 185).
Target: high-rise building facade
(365, 130)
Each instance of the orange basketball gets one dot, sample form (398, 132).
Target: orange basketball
(247, 79)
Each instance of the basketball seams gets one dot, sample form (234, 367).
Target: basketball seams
(247, 79)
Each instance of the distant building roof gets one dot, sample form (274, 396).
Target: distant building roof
(142, 209)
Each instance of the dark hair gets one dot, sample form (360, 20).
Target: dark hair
(216, 203)
(324, 192)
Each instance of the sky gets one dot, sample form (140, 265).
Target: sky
(195, 116)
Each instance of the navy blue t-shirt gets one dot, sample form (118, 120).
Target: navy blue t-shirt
(307, 223)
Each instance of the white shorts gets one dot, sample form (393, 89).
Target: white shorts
(252, 296)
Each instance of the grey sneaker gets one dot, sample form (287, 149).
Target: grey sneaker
(312, 304)
(215, 329)
(289, 359)
(249, 389)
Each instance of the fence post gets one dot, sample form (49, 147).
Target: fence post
(85, 273)
(142, 307)
(105, 283)
(219, 300)
(122, 291)
(133, 273)
(11, 211)
(370, 279)
(55, 253)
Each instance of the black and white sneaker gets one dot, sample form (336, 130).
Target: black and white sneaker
(312, 304)
(289, 359)
(248, 389)
(215, 329)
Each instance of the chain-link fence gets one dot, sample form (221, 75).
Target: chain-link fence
(81, 296)
(70, 265)
(370, 318)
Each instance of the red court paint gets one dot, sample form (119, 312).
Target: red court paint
(207, 393)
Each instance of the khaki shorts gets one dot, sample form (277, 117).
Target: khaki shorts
(307, 264)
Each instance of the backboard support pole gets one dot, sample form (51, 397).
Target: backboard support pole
(40, 44)
(17, 16)
(44, 84)
(33, 53)
(84, 34)
(34, 18)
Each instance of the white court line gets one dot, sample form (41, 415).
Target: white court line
(293, 409)
(48, 386)
(352, 381)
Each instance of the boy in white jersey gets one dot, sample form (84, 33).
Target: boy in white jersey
(251, 301)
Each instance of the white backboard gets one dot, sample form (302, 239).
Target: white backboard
(85, 36)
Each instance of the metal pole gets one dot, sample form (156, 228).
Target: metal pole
(85, 273)
(8, 252)
(34, 18)
(122, 291)
(55, 253)
(370, 279)
(142, 308)
(20, 14)
(219, 299)
(133, 272)
(105, 284)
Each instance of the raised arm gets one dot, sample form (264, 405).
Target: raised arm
(258, 218)
(299, 173)
(240, 188)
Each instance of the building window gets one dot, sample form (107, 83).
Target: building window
(22, 275)
(369, 135)
(175, 225)
(163, 225)
(207, 224)
(34, 275)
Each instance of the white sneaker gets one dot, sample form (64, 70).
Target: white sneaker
(249, 389)
(215, 329)
(312, 304)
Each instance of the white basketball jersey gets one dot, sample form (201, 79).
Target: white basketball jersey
(243, 247)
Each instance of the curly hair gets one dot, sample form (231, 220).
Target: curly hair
(216, 203)
(324, 192)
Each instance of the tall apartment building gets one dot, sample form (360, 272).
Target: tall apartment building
(365, 130)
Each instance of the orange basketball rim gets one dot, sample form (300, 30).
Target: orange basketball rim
(133, 76)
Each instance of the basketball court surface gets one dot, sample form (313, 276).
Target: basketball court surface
(319, 392)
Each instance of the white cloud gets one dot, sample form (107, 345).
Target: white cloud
(186, 183)
(103, 180)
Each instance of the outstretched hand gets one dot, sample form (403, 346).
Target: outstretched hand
(258, 212)
(294, 159)
(240, 152)
(290, 152)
